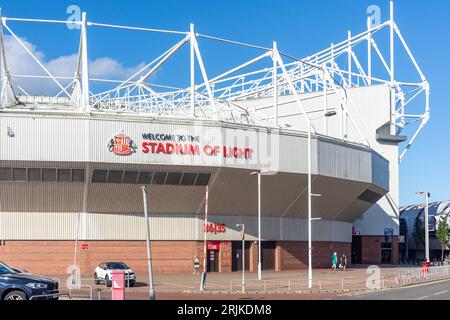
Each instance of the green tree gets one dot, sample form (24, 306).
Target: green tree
(443, 234)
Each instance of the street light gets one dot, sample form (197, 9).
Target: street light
(205, 251)
(151, 290)
(243, 254)
(427, 235)
(259, 174)
(310, 195)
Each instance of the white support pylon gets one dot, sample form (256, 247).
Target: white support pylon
(84, 67)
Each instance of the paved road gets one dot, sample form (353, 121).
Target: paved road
(429, 291)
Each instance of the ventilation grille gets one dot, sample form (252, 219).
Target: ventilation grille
(151, 177)
(370, 196)
(41, 175)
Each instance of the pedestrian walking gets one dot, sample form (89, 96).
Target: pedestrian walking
(334, 261)
(344, 262)
(196, 265)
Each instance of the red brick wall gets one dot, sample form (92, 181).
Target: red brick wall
(253, 256)
(294, 255)
(371, 249)
(225, 261)
(53, 257)
(395, 250)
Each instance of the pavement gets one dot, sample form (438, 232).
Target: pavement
(286, 285)
(438, 290)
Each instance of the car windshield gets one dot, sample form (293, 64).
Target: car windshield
(117, 266)
(4, 269)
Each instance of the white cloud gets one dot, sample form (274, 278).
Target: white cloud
(19, 62)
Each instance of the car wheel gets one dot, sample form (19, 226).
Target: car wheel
(107, 281)
(16, 295)
(96, 280)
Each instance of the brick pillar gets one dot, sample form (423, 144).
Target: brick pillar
(278, 257)
(253, 256)
(395, 250)
(225, 257)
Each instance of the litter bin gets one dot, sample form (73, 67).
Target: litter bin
(118, 285)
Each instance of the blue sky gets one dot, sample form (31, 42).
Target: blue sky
(299, 27)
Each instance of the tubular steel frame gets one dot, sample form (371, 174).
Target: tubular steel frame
(332, 70)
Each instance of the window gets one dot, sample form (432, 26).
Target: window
(159, 178)
(145, 177)
(188, 179)
(116, 266)
(5, 174)
(130, 177)
(49, 175)
(34, 174)
(78, 175)
(173, 178)
(4, 269)
(114, 176)
(64, 175)
(20, 174)
(202, 179)
(99, 176)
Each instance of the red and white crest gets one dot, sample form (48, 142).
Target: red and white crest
(121, 145)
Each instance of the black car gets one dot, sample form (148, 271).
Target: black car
(24, 286)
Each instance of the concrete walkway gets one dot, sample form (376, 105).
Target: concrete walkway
(285, 282)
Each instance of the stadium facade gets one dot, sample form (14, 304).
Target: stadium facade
(71, 165)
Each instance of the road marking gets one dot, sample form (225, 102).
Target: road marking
(423, 298)
(439, 293)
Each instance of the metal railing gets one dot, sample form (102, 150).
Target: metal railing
(424, 274)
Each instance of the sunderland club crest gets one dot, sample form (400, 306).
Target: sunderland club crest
(121, 145)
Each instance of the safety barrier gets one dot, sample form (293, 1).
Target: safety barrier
(424, 274)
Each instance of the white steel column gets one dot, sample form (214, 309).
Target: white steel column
(325, 101)
(369, 52)
(275, 85)
(84, 66)
(349, 59)
(192, 56)
(309, 208)
(308, 123)
(392, 130)
(259, 228)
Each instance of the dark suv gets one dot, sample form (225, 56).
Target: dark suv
(24, 286)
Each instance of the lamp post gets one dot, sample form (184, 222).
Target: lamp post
(427, 235)
(310, 195)
(259, 174)
(205, 251)
(243, 254)
(259, 223)
(151, 290)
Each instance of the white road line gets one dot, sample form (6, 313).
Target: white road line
(439, 293)
(423, 298)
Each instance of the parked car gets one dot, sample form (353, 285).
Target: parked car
(103, 273)
(25, 286)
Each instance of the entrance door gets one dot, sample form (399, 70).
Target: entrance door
(236, 252)
(268, 255)
(386, 253)
(357, 250)
(213, 261)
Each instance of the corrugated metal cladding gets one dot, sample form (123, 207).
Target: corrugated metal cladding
(64, 138)
(349, 163)
(105, 226)
(41, 197)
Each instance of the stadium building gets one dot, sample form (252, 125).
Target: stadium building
(72, 164)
